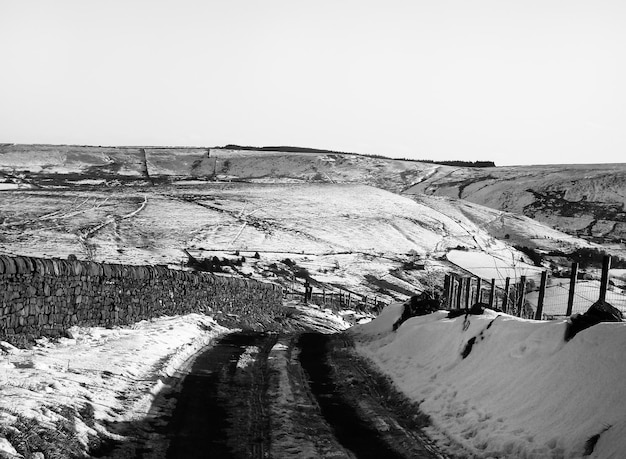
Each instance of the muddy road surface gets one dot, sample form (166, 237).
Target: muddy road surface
(264, 395)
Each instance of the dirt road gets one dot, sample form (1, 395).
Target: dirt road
(261, 395)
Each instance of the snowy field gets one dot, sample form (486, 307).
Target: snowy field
(495, 265)
(343, 234)
(521, 392)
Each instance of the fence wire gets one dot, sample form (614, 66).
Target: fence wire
(340, 300)
(523, 302)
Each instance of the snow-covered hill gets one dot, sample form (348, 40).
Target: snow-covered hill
(353, 235)
(337, 216)
(70, 161)
(585, 200)
(342, 220)
(579, 199)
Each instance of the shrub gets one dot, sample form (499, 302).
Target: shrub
(531, 253)
(302, 273)
(289, 262)
(592, 258)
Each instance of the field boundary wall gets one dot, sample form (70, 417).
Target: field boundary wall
(45, 297)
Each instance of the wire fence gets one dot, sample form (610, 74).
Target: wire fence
(559, 295)
(551, 297)
(338, 300)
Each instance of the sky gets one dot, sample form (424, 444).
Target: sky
(515, 82)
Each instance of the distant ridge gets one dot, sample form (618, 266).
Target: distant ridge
(288, 149)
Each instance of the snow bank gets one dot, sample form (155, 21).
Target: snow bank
(384, 322)
(520, 392)
(116, 371)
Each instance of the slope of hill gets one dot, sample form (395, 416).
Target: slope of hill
(338, 221)
(583, 200)
(342, 217)
(61, 165)
(353, 235)
(586, 200)
(43, 163)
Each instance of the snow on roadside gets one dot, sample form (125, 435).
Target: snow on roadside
(116, 371)
(521, 392)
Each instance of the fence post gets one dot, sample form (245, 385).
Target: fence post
(467, 292)
(542, 295)
(604, 281)
(522, 296)
(505, 300)
(492, 293)
(452, 292)
(478, 286)
(572, 289)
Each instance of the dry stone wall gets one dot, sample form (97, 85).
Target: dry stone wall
(41, 296)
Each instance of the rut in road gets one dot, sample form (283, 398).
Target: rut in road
(368, 417)
(219, 407)
(220, 411)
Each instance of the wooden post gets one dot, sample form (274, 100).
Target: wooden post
(446, 290)
(492, 294)
(467, 292)
(604, 281)
(572, 289)
(505, 300)
(478, 286)
(459, 292)
(452, 291)
(521, 296)
(542, 295)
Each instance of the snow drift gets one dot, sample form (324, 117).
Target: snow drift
(522, 391)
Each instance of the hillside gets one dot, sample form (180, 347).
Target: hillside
(349, 235)
(49, 165)
(342, 219)
(341, 222)
(584, 200)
